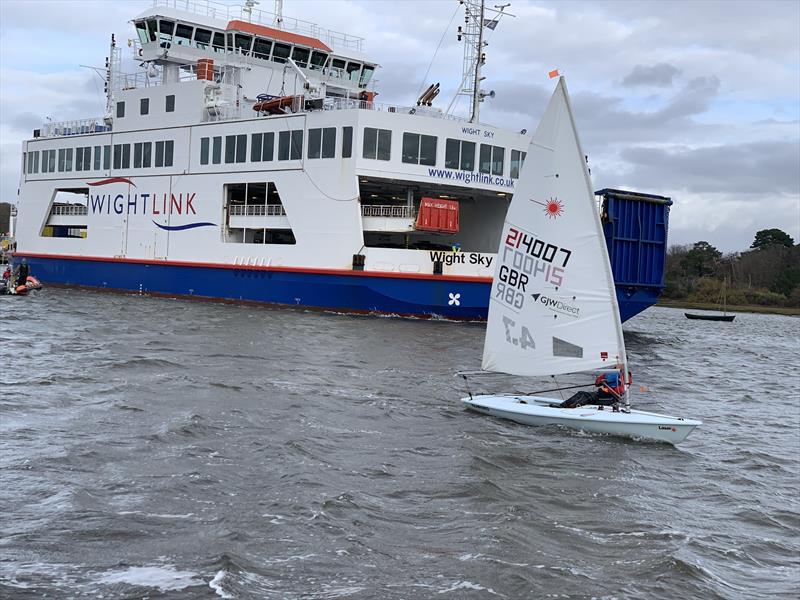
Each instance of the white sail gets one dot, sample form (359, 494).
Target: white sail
(553, 307)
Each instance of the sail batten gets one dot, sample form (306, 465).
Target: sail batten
(553, 306)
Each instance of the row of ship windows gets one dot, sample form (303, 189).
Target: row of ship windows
(321, 144)
(144, 106)
(102, 158)
(418, 149)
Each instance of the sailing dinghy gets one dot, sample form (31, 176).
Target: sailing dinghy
(553, 309)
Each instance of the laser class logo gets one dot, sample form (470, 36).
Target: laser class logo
(145, 203)
(553, 208)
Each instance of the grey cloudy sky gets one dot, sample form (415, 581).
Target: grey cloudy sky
(699, 101)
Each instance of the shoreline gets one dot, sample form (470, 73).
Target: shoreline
(774, 310)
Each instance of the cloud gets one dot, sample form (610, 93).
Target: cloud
(660, 75)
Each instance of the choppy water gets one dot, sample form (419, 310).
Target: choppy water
(170, 449)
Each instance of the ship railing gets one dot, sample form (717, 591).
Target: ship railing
(70, 210)
(350, 103)
(227, 12)
(391, 211)
(77, 127)
(258, 210)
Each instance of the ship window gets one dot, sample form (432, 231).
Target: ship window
(216, 151)
(169, 149)
(219, 42)
(283, 145)
(52, 161)
(36, 162)
(170, 107)
(152, 29)
(83, 158)
(318, 60)
(338, 63)
(241, 148)
(165, 32)
(126, 156)
(492, 159)
(45, 161)
(30, 162)
(255, 147)
(106, 157)
(262, 48)
(229, 42)
(159, 154)
(261, 147)
(280, 52)
(300, 56)
(120, 110)
(117, 156)
(347, 142)
(269, 145)
(517, 160)
(230, 148)
(144, 106)
(377, 143)
(353, 70)
(486, 159)
(183, 34)
(366, 75)
(62, 158)
(97, 158)
(69, 159)
(314, 142)
(147, 155)
(243, 43)
(137, 155)
(322, 142)
(419, 149)
(459, 154)
(141, 29)
(79, 159)
(204, 150)
(202, 38)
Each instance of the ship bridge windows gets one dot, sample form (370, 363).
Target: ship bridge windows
(64, 159)
(377, 143)
(353, 69)
(152, 30)
(243, 43)
(202, 38)
(165, 31)
(280, 52)
(318, 60)
(183, 34)
(301, 56)
(262, 48)
(48, 161)
(219, 42)
(366, 75)
(491, 159)
(83, 158)
(337, 68)
(347, 142)
(262, 147)
(322, 142)
(517, 160)
(235, 148)
(141, 31)
(120, 109)
(419, 149)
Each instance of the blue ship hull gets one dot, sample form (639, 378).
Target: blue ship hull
(423, 296)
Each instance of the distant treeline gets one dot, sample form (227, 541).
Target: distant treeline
(768, 274)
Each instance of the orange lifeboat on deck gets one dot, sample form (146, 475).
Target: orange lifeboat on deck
(276, 105)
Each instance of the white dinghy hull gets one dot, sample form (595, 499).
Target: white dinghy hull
(536, 410)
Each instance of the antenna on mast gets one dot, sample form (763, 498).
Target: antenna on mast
(474, 56)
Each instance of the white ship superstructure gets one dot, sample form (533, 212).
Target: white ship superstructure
(251, 160)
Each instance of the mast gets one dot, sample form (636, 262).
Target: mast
(474, 57)
(278, 14)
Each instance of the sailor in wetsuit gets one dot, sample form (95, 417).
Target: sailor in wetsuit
(610, 390)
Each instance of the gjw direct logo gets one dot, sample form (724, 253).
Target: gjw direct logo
(558, 306)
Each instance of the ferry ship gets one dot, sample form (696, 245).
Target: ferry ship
(249, 160)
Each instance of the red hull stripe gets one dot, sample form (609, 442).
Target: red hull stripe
(205, 265)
